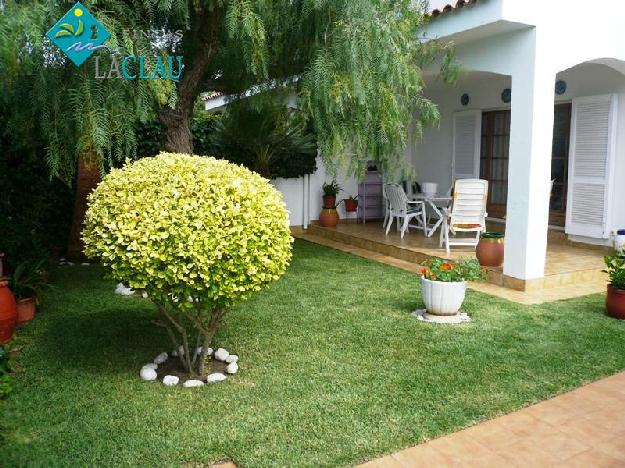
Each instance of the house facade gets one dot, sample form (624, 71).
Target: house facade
(539, 111)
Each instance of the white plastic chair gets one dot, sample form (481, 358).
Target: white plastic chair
(400, 208)
(467, 213)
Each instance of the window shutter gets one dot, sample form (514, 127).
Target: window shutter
(467, 139)
(590, 165)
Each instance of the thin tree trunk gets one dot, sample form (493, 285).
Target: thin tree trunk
(215, 321)
(88, 178)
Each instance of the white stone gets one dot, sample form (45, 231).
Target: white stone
(161, 358)
(151, 365)
(147, 374)
(198, 350)
(216, 377)
(123, 290)
(85, 264)
(178, 352)
(221, 354)
(193, 383)
(171, 380)
(232, 368)
(232, 358)
(144, 295)
(209, 352)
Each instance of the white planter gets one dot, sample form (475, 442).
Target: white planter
(443, 298)
(619, 240)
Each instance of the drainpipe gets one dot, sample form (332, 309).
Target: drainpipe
(307, 200)
(305, 183)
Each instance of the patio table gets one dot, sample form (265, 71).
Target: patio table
(432, 201)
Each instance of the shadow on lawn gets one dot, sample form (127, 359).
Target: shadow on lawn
(110, 340)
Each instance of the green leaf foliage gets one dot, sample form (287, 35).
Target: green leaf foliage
(356, 66)
(181, 226)
(615, 268)
(267, 137)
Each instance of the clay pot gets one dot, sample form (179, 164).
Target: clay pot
(351, 205)
(329, 217)
(490, 249)
(615, 303)
(8, 311)
(26, 310)
(329, 201)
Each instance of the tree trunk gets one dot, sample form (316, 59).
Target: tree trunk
(87, 180)
(201, 44)
(177, 125)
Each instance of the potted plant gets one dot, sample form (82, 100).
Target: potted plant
(615, 301)
(444, 284)
(330, 191)
(329, 217)
(351, 204)
(27, 281)
(490, 249)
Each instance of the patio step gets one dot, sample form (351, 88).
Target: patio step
(390, 247)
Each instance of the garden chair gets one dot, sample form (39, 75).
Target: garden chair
(401, 209)
(467, 213)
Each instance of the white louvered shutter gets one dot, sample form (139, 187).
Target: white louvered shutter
(467, 139)
(591, 160)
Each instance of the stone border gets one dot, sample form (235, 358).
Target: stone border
(148, 371)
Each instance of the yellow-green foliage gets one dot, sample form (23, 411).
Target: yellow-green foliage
(184, 226)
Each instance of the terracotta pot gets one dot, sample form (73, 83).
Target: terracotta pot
(442, 298)
(615, 302)
(490, 250)
(329, 217)
(329, 201)
(351, 205)
(8, 311)
(26, 310)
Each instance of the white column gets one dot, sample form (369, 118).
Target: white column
(529, 172)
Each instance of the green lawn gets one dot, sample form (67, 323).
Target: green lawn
(333, 370)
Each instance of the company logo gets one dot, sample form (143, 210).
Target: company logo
(78, 34)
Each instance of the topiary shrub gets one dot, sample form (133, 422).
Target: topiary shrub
(197, 234)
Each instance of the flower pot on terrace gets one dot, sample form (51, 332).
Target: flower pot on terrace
(26, 310)
(490, 249)
(351, 205)
(8, 311)
(615, 302)
(329, 201)
(329, 217)
(443, 298)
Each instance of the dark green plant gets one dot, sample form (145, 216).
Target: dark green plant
(35, 210)
(451, 272)
(28, 279)
(331, 189)
(615, 268)
(265, 136)
(5, 376)
(356, 66)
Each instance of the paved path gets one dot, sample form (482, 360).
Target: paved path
(582, 428)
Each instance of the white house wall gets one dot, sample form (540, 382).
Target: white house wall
(296, 197)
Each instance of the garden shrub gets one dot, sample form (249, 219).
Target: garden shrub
(197, 234)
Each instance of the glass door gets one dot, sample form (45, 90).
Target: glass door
(494, 161)
(560, 163)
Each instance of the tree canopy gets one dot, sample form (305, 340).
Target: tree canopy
(356, 66)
